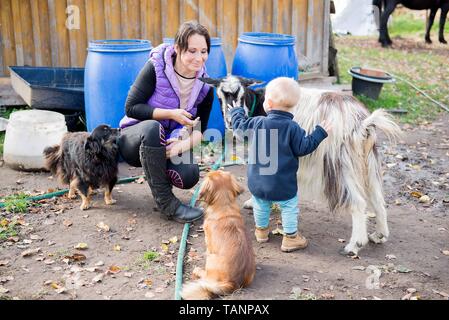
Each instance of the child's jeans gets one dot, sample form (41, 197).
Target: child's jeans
(289, 213)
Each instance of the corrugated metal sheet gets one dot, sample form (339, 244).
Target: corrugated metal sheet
(34, 32)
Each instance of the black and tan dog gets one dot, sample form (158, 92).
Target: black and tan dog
(86, 162)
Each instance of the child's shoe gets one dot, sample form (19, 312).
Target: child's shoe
(262, 234)
(293, 242)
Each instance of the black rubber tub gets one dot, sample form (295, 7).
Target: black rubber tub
(50, 88)
(369, 82)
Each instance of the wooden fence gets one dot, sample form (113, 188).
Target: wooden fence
(56, 32)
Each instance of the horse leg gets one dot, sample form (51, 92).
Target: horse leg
(433, 12)
(444, 11)
(384, 37)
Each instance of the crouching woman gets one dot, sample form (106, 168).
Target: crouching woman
(166, 97)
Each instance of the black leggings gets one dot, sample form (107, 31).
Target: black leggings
(150, 133)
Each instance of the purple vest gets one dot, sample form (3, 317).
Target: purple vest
(166, 94)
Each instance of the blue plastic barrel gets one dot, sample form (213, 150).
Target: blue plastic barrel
(265, 56)
(111, 68)
(216, 68)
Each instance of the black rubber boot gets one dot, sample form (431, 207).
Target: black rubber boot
(154, 163)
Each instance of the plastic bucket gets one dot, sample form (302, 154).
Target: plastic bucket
(265, 56)
(28, 133)
(368, 85)
(111, 68)
(216, 68)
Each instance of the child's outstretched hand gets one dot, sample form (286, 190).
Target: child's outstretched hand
(326, 126)
(230, 107)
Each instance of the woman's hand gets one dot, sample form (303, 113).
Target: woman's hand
(182, 117)
(174, 148)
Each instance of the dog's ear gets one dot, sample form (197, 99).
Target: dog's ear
(92, 146)
(236, 187)
(212, 81)
(205, 194)
(246, 82)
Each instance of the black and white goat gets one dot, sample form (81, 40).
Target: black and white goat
(345, 170)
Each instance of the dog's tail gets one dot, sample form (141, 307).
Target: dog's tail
(52, 157)
(204, 289)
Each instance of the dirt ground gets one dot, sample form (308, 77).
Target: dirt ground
(413, 264)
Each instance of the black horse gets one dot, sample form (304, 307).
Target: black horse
(386, 8)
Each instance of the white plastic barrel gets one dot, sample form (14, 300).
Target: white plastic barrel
(28, 133)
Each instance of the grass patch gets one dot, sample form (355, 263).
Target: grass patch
(407, 24)
(424, 68)
(16, 203)
(147, 260)
(2, 142)
(8, 229)
(150, 256)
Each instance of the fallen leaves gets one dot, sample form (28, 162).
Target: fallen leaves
(76, 257)
(4, 263)
(98, 278)
(114, 269)
(3, 290)
(67, 223)
(30, 252)
(117, 248)
(441, 293)
(416, 194)
(81, 246)
(104, 227)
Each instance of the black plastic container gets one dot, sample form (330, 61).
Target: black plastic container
(368, 85)
(50, 88)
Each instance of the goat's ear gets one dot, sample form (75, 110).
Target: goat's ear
(212, 81)
(246, 82)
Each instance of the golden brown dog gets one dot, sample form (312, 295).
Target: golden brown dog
(230, 260)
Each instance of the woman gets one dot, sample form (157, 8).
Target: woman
(165, 97)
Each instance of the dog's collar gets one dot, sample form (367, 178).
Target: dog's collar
(251, 112)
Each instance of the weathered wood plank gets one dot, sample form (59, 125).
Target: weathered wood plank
(8, 39)
(17, 26)
(130, 19)
(282, 16)
(170, 17)
(262, 15)
(244, 16)
(208, 15)
(27, 33)
(190, 10)
(113, 19)
(230, 33)
(299, 24)
(78, 37)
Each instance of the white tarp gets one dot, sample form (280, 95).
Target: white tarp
(356, 17)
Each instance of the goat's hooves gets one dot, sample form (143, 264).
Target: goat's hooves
(377, 238)
(443, 41)
(345, 253)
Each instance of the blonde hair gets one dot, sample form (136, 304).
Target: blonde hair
(284, 92)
